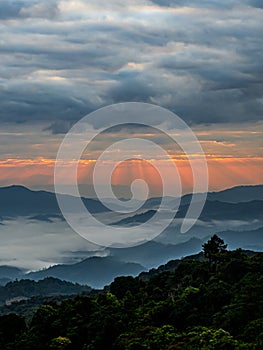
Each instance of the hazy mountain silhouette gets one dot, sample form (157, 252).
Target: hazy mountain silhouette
(216, 210)
(94, 271)
(42, 205)
(8, 273)
(243, 203)
(213, 210)
(231, 195)
(238, 194)
(249, 239)
(21, 201)
(99, 271)
(136, 219)
(154, 253)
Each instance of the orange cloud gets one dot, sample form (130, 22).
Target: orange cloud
(223, 172)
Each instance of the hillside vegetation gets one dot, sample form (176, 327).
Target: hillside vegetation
(212, 303)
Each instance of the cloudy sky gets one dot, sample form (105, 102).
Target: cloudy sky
(61, 59)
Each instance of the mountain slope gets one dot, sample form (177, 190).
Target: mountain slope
(238, 194)
(21, 201)
(213, 210)
(48, 286)
(18, 200)
(154, 253)
(249, 239)
(136, 219)
(94, 271)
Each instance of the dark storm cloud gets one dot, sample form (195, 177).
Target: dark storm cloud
(11, 9)
(133, 89)
(40, 101)
(60, 127)
(256, 3)
(203, 62)
(207, 3)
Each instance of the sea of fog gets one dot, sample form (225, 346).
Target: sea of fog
(33, 244)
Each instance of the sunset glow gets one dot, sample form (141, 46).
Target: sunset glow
(187, 57)
(223, 172)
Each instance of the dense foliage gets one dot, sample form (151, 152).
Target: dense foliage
(198, 305)
(48, 286)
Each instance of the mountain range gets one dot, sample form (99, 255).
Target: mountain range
(99, 271)
(241, 207)
(95, 271)
(213, 210)
(18, 200)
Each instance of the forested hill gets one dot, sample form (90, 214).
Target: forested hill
(214, 302)
(24, 289)
(172, 264)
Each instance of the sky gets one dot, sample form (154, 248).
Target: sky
(62, 59)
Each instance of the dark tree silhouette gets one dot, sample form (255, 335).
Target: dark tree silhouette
(212, 248)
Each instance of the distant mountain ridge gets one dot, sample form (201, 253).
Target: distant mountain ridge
(213, 210)
(18, 200)
(94, 271)
(238, 194)
(249, 239)
(136, 219)
(154, 253)
(98, 271)
(235, 194)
